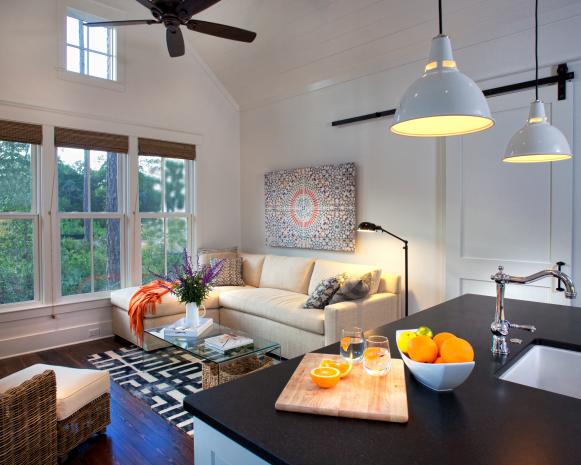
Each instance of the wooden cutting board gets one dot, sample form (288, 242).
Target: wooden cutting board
(358, 395)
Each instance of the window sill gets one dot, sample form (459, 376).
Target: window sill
(36, 309)
(118, 86)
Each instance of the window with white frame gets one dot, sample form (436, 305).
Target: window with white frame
(90, 213)
(90, 50)
(78, 228)
(19, 221)
(165, 213)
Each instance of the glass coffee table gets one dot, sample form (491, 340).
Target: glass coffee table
(218, 367)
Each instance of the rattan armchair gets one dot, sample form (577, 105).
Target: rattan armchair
(28, 424)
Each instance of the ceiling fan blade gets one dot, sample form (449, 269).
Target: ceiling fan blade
(175, 41)
(193, 7)
(221, 30)
(133, 22)
(146, 3)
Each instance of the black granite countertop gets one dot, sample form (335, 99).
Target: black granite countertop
(484, 421)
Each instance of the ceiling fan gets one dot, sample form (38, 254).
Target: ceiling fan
(175, 13)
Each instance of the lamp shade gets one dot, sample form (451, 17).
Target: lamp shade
(366, 226)
(443, 101)
(537, 141)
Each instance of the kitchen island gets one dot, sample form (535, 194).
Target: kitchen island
(484, 421)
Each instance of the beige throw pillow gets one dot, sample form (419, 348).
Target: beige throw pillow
(205, 255)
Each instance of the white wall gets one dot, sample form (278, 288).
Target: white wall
(400, 185)
(161, 95)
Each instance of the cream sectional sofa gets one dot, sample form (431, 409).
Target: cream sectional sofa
(270, 305)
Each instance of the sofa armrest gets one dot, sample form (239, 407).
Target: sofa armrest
(368, 313)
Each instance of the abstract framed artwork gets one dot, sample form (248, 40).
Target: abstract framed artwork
(311, 208)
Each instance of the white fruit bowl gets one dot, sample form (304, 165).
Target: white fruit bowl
(440, 377)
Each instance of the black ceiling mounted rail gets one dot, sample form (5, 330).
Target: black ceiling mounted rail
(563, 75)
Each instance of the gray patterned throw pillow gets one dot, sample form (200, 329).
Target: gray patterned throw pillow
(353, 289)
(323, 292)
(231, 272)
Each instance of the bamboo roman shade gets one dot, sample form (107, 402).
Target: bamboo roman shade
(89, 140)
(163, 148)
(21, 132)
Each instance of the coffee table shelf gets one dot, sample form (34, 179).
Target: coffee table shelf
(218, 367)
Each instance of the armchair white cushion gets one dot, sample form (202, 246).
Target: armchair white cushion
(75, 387)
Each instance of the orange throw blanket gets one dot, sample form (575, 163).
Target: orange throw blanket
(145, 298)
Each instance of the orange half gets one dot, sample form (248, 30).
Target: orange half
(325, 377)
(372, 353)
(343, 366)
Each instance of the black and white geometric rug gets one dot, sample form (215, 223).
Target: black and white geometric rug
(161, 379)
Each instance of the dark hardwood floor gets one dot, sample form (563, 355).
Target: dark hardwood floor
(136, 435)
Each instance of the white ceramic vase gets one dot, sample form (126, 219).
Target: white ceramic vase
(192, 315)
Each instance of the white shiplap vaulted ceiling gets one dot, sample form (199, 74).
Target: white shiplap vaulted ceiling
(303, 45)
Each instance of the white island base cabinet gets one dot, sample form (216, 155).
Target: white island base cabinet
(213, 448)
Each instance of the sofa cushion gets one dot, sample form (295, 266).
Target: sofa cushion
(75, 387)
(325, 268)
(285, 307)
(252, 268)
(213, 299)
(288, 273)
(168, 306)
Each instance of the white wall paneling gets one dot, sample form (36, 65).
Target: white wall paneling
(519, 216)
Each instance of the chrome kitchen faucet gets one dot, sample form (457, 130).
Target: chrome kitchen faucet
(501, 326)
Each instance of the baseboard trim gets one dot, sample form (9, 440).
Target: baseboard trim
(39, 342)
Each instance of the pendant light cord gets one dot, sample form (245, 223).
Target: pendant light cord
(536, 49)
(440, 15)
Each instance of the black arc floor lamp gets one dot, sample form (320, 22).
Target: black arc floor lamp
(370, 227)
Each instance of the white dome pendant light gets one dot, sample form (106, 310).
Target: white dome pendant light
(537, 141)
(443, 101)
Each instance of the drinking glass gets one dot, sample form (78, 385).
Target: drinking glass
(352, 345)
(376, 357)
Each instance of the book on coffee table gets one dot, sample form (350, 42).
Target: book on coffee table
(179, 329)
(227, 342)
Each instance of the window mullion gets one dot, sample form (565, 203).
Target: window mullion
(91, 248)
(165, 243)
(82, 48)
(162, 170)
(164, 212)
(190, 176)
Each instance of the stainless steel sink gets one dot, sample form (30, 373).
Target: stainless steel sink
(548, 368)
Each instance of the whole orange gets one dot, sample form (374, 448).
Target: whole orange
(456, 350)
(441, 337)
(422, 349)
